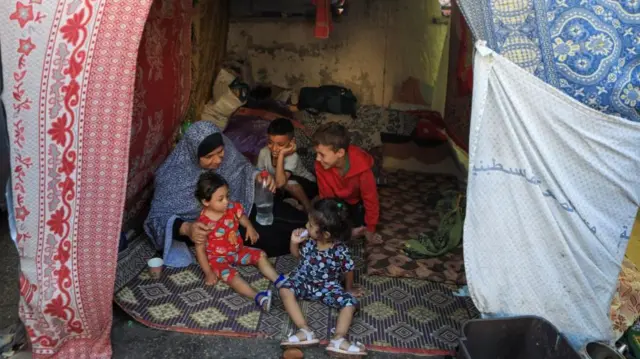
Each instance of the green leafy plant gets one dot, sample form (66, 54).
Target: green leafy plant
(449, 234)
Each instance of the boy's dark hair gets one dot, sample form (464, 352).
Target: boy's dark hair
(208, 183)
(280, 126)
(332, 134)
(331, 215)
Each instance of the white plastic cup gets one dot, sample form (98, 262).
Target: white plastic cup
(155, 267)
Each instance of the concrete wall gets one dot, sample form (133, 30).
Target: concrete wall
(375, 47)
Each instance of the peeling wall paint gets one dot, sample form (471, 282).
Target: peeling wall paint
(378, 45)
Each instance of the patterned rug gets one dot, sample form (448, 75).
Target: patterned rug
(407, 208)
(397, 315)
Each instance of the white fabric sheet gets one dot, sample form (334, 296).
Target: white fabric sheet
(553, 192)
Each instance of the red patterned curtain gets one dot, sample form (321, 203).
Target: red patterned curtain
(70, 71)
(458, 105)
(161, 97)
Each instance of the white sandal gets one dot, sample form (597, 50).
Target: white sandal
(356, 350)
(294, 341)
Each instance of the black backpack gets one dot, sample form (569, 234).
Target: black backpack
(330, 98)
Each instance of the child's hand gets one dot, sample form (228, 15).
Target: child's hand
(270, 182)
(252, 235)
(290, 149)
(357, 291)
(296, 236)
(210, 279)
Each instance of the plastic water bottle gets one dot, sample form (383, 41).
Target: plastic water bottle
(264, 202)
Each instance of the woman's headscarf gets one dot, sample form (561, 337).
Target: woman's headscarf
(175, 184)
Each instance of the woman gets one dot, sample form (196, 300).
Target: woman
(171, 222)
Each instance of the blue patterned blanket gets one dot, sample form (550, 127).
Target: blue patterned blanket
(590, 49)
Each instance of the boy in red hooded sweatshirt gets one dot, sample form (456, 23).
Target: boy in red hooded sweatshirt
(344, 171)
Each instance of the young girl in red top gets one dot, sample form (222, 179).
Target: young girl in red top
(224, 249)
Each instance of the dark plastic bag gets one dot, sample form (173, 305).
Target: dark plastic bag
(330, 98)
(526, 337)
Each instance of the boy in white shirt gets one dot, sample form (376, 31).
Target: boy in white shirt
(280, 159)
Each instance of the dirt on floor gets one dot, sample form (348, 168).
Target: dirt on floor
(132, 340)
(9, 280)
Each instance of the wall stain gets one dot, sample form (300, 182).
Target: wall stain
(301, 51)
(304, 50)
(294, 81)
(360, 84)
(376, 46)
(262, 75)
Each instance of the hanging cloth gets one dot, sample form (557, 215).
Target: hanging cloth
(552, 195)
(323, 19)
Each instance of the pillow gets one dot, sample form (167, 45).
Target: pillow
(209, 113)
(225, 101)
(221, 84)
(248, 134)
(305, 150)
(364, 130)
(400, 123)
(247, 129)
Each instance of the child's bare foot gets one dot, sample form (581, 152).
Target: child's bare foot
(210, 279)
(294, 203)
(358, 232)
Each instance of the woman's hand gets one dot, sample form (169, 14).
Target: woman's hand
(252, 235)
(196, 231)
(269, 180)
(296, 236)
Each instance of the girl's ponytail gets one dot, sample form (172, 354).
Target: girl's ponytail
(332, 215)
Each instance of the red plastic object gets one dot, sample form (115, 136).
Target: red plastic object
(427, 130)
(435, 118)
(323, 19)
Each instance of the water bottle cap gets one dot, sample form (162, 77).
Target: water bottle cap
(264, 174)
